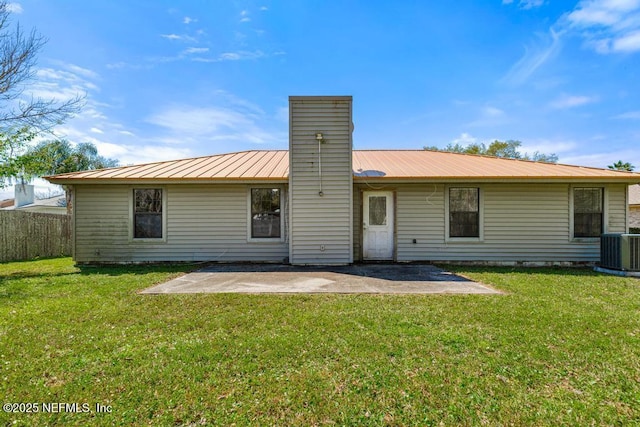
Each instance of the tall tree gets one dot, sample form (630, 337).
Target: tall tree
(506, 149)
(622, 166)
(18, 52)
(60, 156)
(12, 165)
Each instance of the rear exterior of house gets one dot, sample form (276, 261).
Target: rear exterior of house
(320, 202)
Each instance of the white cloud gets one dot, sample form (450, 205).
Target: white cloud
(235, 56)
(179, 37)
(84, 72)
(489, 111)
(193, 50)
(240, 104)
(244, 16)
(110, 143)
(602, 12)
(14, 8)
(571, 101)
(601, 160)
(526, 4)
(263, 8)
(465, 139)
(96, 130)
(535, 56)
(631, 115)
(628, 43)
(530, 4)
(235, 120)
(188, 20)
(608, 26)
(137, 154)
(548, 146)
(200, 121)
(489, 116)
(61, 85)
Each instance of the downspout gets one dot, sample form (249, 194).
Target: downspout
(320, 140)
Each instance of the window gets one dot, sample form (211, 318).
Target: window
(147, 213)
(265, 213)
(464, 212)
(588, 208)
(377, 210)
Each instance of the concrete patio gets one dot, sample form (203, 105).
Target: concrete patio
(362, 278)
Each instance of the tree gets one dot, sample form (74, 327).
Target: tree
(622, 166)
(18, 53)
(12, 164)
(505, 149)
(60, 156)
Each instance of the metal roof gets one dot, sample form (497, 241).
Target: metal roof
(368, 165)
(244, 165)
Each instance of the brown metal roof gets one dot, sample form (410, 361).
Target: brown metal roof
(368, 165)
(245, 165)
(419, 164)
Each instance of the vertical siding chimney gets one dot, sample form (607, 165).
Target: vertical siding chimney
(24, 195)
(320, 180)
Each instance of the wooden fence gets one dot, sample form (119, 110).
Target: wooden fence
(27, 235)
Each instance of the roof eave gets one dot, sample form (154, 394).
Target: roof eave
(516, 179)
(164, 181)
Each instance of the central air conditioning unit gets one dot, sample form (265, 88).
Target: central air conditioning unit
(620, 251)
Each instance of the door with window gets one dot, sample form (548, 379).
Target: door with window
(378, 225)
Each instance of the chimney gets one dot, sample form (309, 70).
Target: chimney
(320, 180)
(24, 195)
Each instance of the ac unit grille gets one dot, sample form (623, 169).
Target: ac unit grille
(620, 251)
(610, 251)
(634, 253)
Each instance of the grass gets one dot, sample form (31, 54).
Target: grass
(560, 347)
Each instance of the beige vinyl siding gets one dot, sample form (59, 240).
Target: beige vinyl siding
(204, 223)
(357, 223)
(522, 223)
(617, 218)
(321, 226)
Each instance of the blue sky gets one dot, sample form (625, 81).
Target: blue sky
(172, 79)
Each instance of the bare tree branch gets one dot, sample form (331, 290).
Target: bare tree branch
(18, 53)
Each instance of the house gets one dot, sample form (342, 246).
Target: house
(26, 200)
(321, 202)
(634, 208)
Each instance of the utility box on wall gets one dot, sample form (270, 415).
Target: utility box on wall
(320, 180)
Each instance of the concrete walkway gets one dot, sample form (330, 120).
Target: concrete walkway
(365, 279)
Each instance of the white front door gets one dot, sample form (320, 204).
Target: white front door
(378, 225)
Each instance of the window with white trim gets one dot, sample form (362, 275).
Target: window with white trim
(464, 212)
(588, 212)
(265, 213)
(147, 213)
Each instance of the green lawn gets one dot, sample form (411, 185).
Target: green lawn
(561, 346)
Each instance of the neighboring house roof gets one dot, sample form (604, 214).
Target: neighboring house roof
(634, 195)
(368, 165)
(55, 204)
